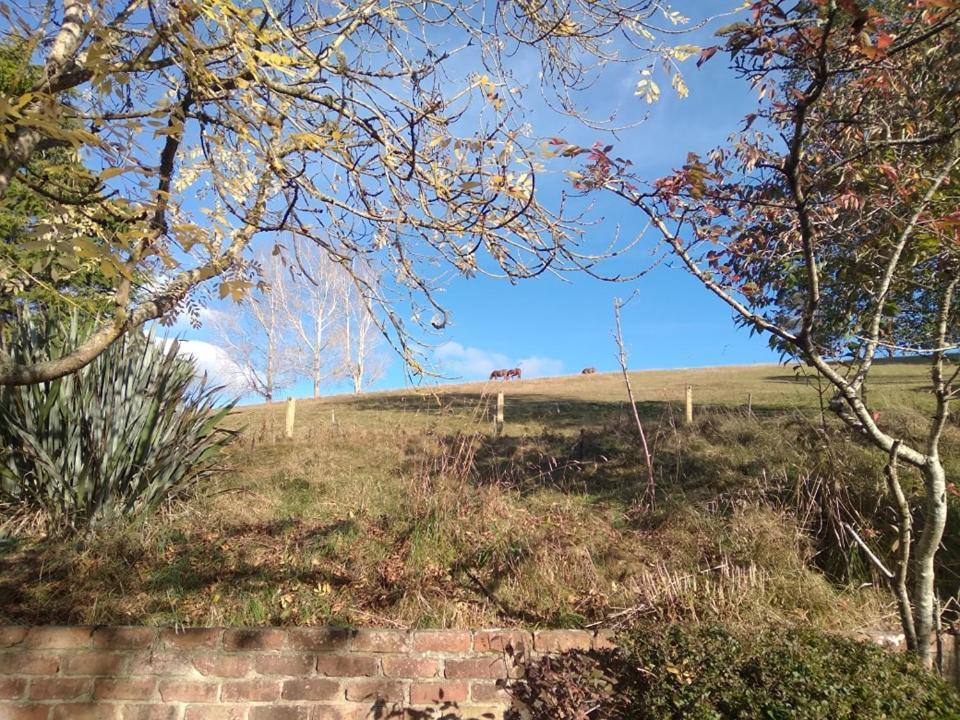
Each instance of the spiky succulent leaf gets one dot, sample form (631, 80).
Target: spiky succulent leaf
(113, 440)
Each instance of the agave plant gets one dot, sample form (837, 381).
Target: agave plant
(113, 440)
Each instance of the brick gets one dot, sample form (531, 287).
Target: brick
(253, 639)
(502, 641)
(84, 711)
(488, 692)
(124, 638)
(215, 712)
(603, 640)
(479, 668)
(319, 639)
(354, 712)
(149, 712)
(11, 635)
(441, 641)
(69, 638)
(401, 666)
(192, 638)
(231, 666)
(165, 664)
(12, 688)
(250, 690)
(58, 688)
(552, 641)
(124, 689)
(28, 664)
(24, 712)
(284, 664)
(280, 712)
(425, 693)
(358, 712)
(348, 666)
(311, 689)
(374, 690)
(188, 691)
(380, 641)
(94, 663)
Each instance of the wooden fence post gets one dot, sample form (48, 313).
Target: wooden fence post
(499, 420)
(291, 417)
(688, 409)
(750, 404)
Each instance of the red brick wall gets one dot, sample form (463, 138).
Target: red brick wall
(949, 650)
(133, 673)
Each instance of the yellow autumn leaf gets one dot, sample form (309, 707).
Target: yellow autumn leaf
(112, 172)
(680, 86)
(648, 89)
(683, 52)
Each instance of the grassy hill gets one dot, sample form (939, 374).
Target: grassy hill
(404, 508)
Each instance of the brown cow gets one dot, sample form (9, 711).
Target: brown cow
(588, 371)
(513, 372)
(502, 374)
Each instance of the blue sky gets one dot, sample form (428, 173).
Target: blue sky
(551, 326)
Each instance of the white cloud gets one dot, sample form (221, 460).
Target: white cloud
(536, 366)
(215, 362)
(209, 315)
(209, 318)
(469, 362)
(475, 363)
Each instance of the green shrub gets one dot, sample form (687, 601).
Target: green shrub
(113, 440)
(708, 673)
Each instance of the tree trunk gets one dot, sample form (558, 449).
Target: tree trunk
(269, 374)
(924, 592)
(905, 538)
(316, 352)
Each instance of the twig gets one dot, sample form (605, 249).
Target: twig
(870, 554)
(650, 493)
(635, 610)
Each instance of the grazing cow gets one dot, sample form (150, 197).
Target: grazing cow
(588, 371)
(502, 374)
(513, 372)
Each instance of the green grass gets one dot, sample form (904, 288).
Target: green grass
(402, 508)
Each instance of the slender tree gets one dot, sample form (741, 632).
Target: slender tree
(315, 312)
(831, 221)
(258, 335)
(358, 338)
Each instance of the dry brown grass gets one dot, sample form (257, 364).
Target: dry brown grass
(401, 508)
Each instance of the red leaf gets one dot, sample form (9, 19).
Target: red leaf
(707, 53)
(889, 171)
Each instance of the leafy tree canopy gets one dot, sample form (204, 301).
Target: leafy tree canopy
(33, 266)
(387, 132)
(831, 221)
